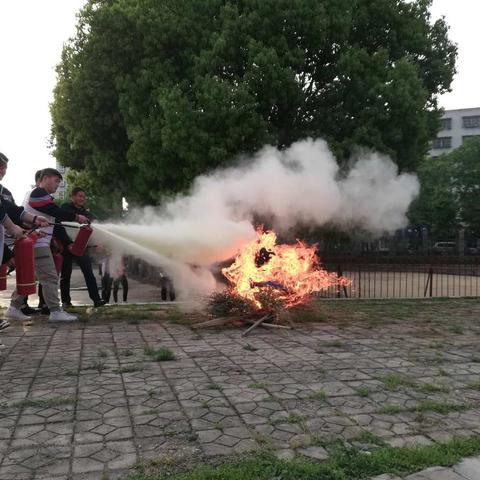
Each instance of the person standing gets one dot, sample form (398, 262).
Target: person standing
(11, 217)
(41, 202)
(76, 206)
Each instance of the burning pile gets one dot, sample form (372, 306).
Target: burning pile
(291, 272)
(266, 279)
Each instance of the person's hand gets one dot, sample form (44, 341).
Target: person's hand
(82, 219)
(41, 221)
(15, 231)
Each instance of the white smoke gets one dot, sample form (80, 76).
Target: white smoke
(301, 185)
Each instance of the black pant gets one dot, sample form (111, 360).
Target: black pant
(85, 264)
(116, 284)
(108, 281)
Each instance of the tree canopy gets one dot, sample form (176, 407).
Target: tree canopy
(449, 198)
(152, 93)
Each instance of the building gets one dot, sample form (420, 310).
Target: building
(457, 127)
(62, 190)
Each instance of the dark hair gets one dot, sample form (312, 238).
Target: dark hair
(77, 190)
(50, 172)
(38, 175)
(3, 158)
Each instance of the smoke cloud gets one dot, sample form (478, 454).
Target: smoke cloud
(301, 185)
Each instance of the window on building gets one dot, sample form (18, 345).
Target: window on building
(446, 123)
(442, 142)
(466, 137)
(472, 121)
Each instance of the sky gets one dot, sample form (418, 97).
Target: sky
(32, 34)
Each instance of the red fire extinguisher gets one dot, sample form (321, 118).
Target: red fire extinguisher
(25, 264)
(79, 246)
(3, 276)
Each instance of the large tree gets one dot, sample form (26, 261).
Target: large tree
(152, 93)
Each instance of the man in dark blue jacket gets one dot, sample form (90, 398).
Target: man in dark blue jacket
(76, 206)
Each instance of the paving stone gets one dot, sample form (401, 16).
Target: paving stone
(385, 477)
(317, 453)
(435, 473)
(469, 468)
(220, 399)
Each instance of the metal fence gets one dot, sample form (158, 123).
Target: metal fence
(405, 277)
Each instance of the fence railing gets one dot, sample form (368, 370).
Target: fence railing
(405, 277)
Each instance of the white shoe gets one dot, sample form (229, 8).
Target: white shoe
(15, 314)
(61, 316)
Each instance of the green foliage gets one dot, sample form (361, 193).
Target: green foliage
(449, 194)
(152, 93)
(162, 354)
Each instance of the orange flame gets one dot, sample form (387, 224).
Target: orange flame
(293, 272)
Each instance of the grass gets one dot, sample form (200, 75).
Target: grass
(218, 426)
(393, 381)
(102, 353)
(292, 418)
(363, 392)
(178, 317)
(162, 354)
(457, 329)
(442, 408)
(368, 437)
(319, 395)
(129, 369)
(214, 386)
(257, 385)
(41, 402)
(474, 386)
(343, 464)
(70, 372)
(97, 365)
(431, 388)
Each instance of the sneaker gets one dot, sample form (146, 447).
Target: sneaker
(61, 316)
(4, 324)
(99, 303)
(28, 310)
(15, 314)
(44, 311)
(67, 304)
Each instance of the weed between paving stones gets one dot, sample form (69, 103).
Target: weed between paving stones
(442, 408)
(40, 402)
(162, 354)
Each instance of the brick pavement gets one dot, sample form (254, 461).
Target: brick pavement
(97, 403)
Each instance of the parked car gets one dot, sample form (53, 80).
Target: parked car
(444, 248)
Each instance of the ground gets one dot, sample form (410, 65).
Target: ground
(104, 399)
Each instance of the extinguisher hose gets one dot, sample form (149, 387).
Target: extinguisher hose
(68, 226)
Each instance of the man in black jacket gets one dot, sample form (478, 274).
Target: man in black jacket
(11, 217)
(76, 206)
(40, 202)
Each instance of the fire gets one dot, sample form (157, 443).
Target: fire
(293, 272)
